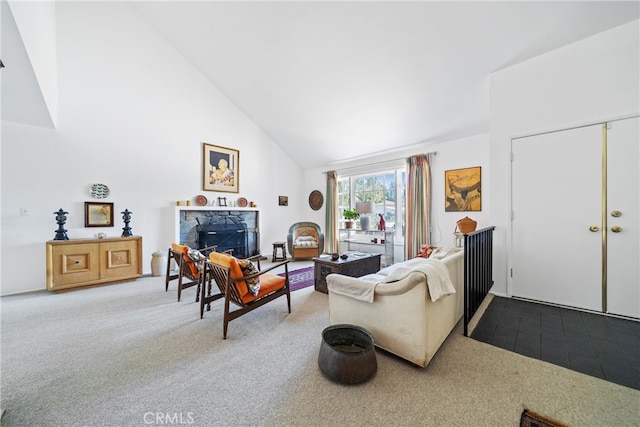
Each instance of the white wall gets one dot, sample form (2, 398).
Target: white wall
(36, 23)
(593, 80)
(132, 114)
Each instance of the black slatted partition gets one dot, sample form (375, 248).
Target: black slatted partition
(478, 270)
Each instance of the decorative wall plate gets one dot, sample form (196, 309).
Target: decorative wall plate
(242, 202)
(315, 200)
(99, 191)
(200, 200)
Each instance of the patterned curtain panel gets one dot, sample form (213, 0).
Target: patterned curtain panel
(331, 230)
(418, 204)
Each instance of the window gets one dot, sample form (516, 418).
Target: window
(386, 189)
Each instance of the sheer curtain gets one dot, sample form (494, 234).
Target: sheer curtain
(331, 230)
(418, 204)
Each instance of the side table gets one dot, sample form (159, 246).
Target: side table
(283, 252)
(354, 266)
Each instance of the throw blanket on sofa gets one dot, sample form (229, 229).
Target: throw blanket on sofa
(363, 288)
(438, 279)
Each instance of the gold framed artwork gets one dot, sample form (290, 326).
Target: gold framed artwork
(220, 168)
(463, 190)
(98, 214)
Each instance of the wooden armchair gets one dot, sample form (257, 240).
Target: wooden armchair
(189, 270)
(236, 285)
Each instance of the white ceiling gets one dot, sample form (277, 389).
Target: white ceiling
(333, 81)
(330, 81)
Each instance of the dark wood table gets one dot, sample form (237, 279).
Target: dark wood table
(354, 266)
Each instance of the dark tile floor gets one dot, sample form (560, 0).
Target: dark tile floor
(600, 346)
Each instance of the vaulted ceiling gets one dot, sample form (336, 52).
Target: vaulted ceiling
(333, 81)
(329, 81)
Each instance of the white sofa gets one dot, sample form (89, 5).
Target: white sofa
(401, 315)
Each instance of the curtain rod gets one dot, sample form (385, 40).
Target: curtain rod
(431, 153)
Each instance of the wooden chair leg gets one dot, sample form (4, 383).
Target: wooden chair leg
(168, 277)
(226, 318)
(204, 290)
(209, 299)
(202, 299)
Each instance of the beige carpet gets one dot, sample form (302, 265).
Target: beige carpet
(117, 355)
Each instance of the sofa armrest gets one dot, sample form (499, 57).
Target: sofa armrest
(401, 286)
(364, 288)
(352, 287)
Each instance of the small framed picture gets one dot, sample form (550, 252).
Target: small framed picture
(283, 200)
(98, 214)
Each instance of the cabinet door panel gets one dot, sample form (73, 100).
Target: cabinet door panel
(75, 264)
(119, 259)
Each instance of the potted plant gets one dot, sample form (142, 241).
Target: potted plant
(350, 215)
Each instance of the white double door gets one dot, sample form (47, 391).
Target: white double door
(575, 217)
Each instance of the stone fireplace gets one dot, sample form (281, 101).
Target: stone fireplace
(236, 228)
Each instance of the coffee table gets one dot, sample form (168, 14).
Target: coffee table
(357, 264)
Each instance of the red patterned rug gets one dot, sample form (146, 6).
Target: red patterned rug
(301, 278)
(531, 419)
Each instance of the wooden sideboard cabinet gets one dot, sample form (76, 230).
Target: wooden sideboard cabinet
(83, 262)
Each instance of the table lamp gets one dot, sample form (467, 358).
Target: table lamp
(365, 208)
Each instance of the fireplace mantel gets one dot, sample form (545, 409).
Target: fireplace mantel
(185, 223)
(213, 208)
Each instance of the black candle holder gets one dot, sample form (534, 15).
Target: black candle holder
(126, 217)
(61, 219)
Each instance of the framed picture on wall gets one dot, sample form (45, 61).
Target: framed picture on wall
(463, 190)
(220, 168)
(98, 214)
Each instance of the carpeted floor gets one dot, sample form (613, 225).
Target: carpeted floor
(130, 355)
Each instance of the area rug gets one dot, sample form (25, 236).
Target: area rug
(531, 419)
(301, 278)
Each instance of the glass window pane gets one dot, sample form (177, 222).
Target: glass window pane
(380, 188)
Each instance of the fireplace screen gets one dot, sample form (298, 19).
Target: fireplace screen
(225, 235)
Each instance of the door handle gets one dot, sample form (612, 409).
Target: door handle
(594, 228)
(616, 229)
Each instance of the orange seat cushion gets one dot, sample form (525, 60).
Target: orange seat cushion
(184, 250)
(268, 282)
